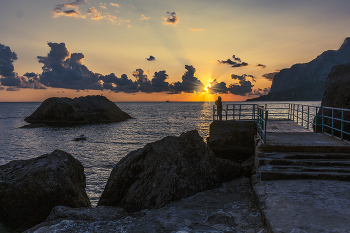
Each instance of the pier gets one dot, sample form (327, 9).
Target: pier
(302, 165)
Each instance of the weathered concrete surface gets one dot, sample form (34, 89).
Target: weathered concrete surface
(232, 140)
(304, 142)
(305, 205)
(229, 208)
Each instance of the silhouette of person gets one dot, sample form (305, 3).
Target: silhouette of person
(218, 104)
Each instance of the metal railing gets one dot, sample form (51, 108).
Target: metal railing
(235, 112)
(334, 122)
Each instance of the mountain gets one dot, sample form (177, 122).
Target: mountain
(306, 81)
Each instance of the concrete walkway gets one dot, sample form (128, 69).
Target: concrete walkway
(289, 202)
(305, 205)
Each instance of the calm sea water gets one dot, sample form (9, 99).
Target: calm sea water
(106, 144)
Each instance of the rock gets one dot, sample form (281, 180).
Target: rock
(30, 189)
(165, 170)
(230, 208)
(82, 110)
(337, 95)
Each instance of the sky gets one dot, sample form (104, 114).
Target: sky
(158, 50)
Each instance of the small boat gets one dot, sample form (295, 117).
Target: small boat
(167, 101)
(80, 138)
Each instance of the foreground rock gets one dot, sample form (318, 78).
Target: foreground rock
(337, 95)
(230, 208)
(30, 189)
(82, 110)
(165, 170)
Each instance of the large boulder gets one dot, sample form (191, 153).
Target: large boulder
(165, 170)
(336, 95)
(30, 189)
(82, 110)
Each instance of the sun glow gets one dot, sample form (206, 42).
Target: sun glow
(207, 87)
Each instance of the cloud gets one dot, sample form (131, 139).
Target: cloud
(270, 76)
(70, 9)
(103, 6)
(143, 17)
(260, 65)
(189, 83)
(234, 62)
(244, 87)
(65, 70)
(7, 57)
(11, 79)
(260, 91)
(171, 18)
(2, 88)
(114, 4)
(151, 58)
(196, 29)
(97, 15)
(218, 87)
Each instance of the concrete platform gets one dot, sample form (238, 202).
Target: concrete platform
(305, 205)
(303, 142)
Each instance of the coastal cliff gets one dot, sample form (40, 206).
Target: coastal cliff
(306, 82)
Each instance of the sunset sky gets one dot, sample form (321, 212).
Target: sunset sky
(158, 50)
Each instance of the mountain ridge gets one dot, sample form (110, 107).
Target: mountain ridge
(305, 81)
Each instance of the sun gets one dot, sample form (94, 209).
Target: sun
(207, 87)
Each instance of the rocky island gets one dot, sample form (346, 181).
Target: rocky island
(83, 110)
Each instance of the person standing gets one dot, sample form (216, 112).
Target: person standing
(218, 104)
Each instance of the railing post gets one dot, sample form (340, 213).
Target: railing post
(298, 114)
(302, 115)
(332, 122)
(308, 116)
(316, 116)
(342, 125)
(322, 119)
(233, 111)
(293, 111)
(213, 112)
(226, 111)
(240, 111)
(254, 112)
(266, 117)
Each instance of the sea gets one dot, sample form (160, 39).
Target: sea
(105, 144)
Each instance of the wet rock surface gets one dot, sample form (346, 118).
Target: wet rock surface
(30, 189)
(166, 170)
(82, 110)
(229, 208)
(305, 205)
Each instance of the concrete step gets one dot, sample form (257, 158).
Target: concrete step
(301, 155)
(305, 162)
(279, 175)
(299, 169)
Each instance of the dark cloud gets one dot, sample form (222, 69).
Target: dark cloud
(2, 88)
(65, 70)
(151, 58)
(244, 87)
(270, 76)
(69, 9)
(260, 91)
(11, 79)
(218, 87)
(171, 18)
(7, 57)
(260, 65)
(189, 83)
(234, 62)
